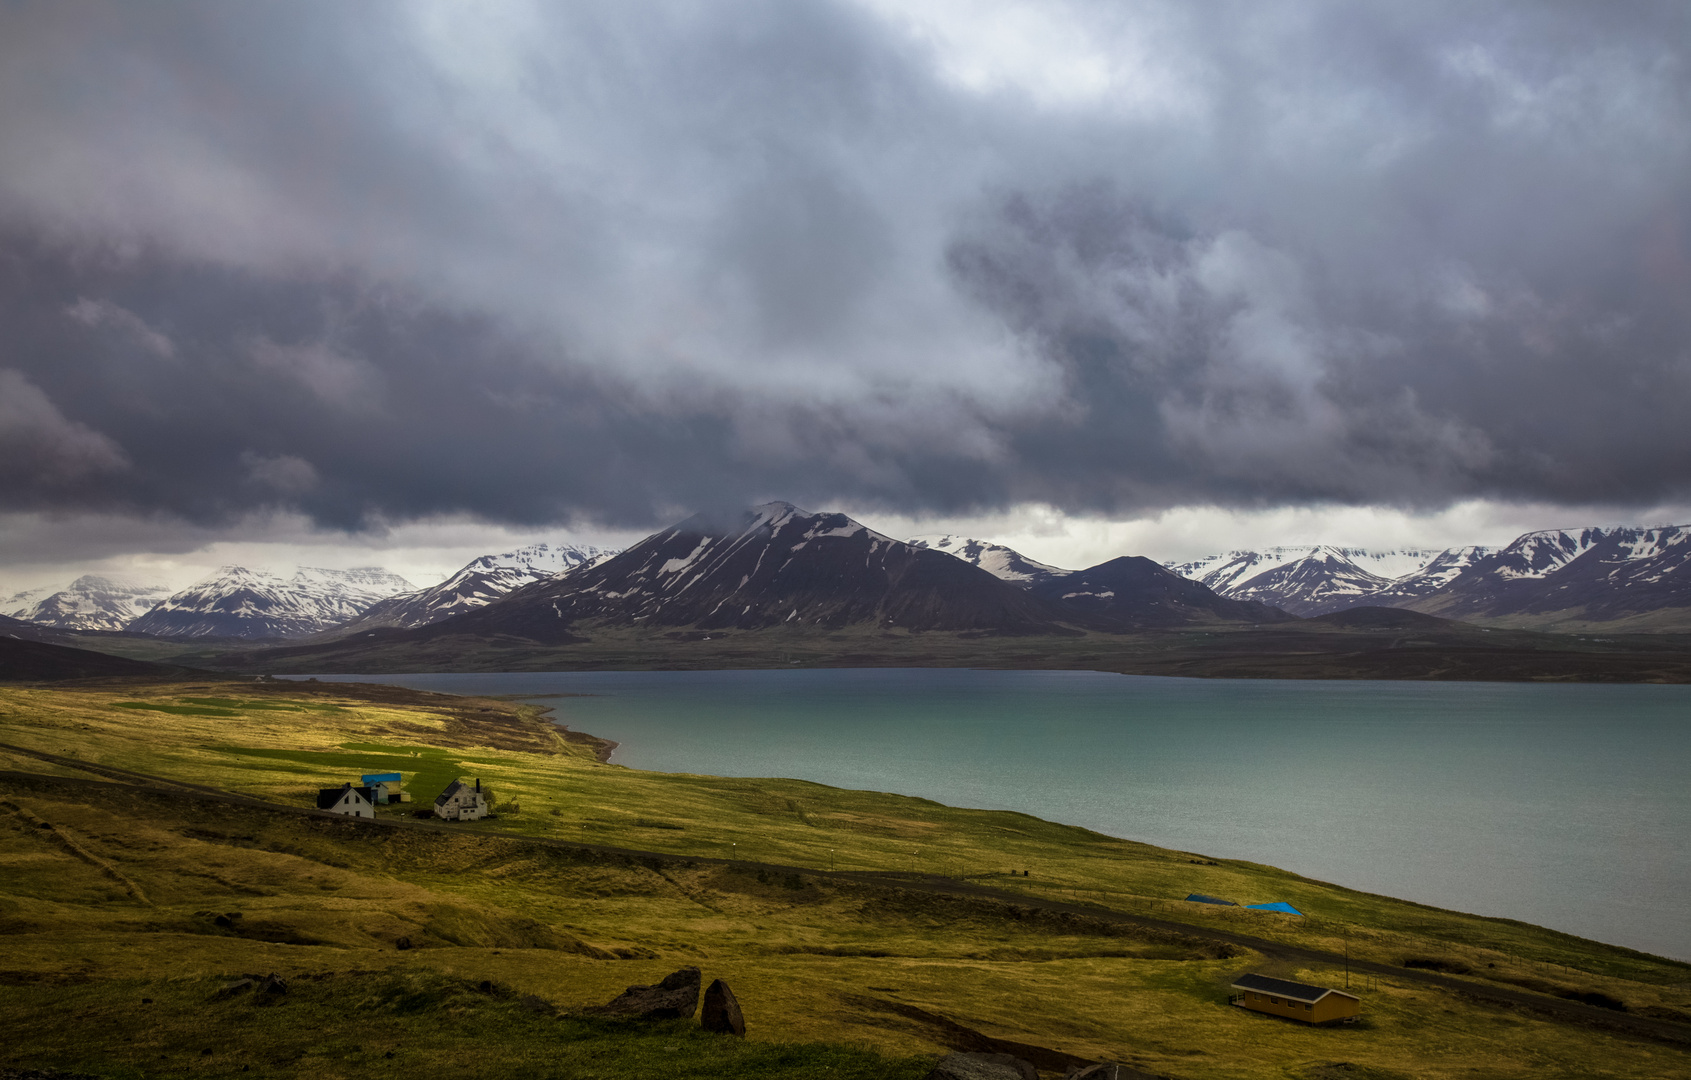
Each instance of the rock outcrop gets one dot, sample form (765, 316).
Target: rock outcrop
(675, 998)
(720, 1012)
(982, 1067)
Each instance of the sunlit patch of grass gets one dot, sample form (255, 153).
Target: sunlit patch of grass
(427, 770)
(175, 710)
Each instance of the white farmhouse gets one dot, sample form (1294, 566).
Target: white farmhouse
(346, 799)
(461, 802)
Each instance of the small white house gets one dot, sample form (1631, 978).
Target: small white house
(461, 802)
(346, 799)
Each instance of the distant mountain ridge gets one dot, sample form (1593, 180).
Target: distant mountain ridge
(479, 583)
(1307, 580)
(1622, 576)
(240, 602)
(1613, 577)
(91, 602)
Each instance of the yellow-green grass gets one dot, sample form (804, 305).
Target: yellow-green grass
(120, 891)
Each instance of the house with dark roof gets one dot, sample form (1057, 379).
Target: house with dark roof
(1295, 1001)
(348, 800)
(461, 802)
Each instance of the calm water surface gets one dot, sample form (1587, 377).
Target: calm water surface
(1566, 806)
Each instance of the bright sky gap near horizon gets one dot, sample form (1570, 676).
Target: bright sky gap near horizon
(403, 284)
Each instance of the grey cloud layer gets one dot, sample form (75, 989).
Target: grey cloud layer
(610, 261)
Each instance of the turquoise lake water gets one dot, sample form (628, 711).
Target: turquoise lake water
(1562, 805)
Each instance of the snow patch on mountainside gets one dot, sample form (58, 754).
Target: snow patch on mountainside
(1001, 562)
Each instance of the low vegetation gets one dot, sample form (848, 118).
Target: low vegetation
(127, 908)
(1312, 649)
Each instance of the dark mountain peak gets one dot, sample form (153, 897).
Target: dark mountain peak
(772, 565)
(1140, 592)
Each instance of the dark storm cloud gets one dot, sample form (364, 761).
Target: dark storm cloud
(608, 261)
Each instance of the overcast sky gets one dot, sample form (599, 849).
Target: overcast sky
(403, 282)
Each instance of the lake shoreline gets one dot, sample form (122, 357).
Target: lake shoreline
(1434, 792)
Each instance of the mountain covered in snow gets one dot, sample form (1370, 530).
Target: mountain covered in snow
(1616, 578)
(1001, 562)
(1444, 569)
(91, 602)
(480, 583)
(244, 603)
(1632, 577)
(774, 565)
(1307, 581)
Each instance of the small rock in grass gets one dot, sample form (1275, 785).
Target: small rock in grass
(720, 1012)
(982, 1067)
(402, 944)
(229, 990)
(537, 1005)
(272, 984)
(676, 998)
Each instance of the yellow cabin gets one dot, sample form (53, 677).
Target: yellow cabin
(1296, 1001)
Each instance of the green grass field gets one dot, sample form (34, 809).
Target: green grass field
(111, 895)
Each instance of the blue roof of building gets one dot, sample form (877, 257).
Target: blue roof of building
(1278, 905)
(1202, 899)
(381, 778)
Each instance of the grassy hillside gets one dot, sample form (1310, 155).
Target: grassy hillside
(111, 892)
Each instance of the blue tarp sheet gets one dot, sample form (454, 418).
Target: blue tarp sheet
(381, 778)
(1202, 899)
(1278, 905)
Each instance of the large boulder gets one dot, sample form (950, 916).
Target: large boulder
(676, 998)
(982, 1067)
(720, 1012)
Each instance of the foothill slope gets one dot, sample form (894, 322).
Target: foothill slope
(843, 919)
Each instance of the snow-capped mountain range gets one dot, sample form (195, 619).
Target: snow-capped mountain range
(91, 602)
(1624, 577)
(1556, 579)
(238, 602)
(778, 566)
(1310, 580)
(1613, 577)
(480, 583)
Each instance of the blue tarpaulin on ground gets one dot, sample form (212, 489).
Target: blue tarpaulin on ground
(1278, 905)
(381, 778)
(1200, 898)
